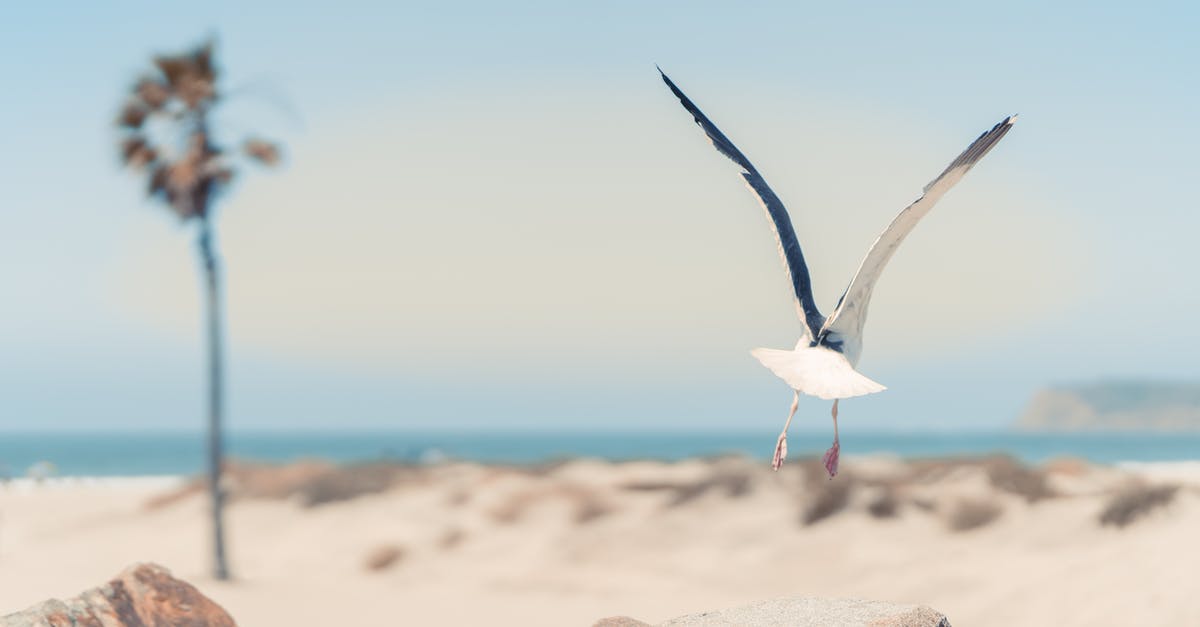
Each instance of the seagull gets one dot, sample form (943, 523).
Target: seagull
(823, 362)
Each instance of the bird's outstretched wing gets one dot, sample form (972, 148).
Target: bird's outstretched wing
(789, 246)
(851, 311)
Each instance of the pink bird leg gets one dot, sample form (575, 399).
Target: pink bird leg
(780, 452)
(830, 459)
(781, 443)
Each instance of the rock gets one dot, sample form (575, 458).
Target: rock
(620, 621)
(807, 612)
(143, 595)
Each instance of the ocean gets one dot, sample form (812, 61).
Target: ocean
(156, 454)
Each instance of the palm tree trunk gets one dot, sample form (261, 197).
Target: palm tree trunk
(215, 405)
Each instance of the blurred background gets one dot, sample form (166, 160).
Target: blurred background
(493, 240)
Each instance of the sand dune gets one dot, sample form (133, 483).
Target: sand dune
(985, 541)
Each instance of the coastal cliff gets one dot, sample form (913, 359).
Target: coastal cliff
(1114, 406)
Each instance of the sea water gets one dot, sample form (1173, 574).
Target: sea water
(150, 454)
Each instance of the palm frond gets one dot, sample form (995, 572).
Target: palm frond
(136, 153)
(153, 92)
(262, 151)
(132, 115)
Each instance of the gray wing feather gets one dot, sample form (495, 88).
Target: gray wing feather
(851, 312)
(781, 222)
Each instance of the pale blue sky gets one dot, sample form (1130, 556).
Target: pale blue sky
(495, 214)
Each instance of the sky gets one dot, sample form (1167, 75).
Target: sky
(496, 216)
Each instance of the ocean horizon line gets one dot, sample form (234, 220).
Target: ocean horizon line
(173, 453)
(702, 430)
(1185, 471)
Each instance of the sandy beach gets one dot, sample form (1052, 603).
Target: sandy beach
(986, 542)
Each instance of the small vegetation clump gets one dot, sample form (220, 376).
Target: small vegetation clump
(588, 504)
(384, 557)
(968, 514)
(348, 482)
(1134, 502)
(1008, 474)
(451, 538)
(590, 508)
(828, 497)
(734, 483)
(885, 505)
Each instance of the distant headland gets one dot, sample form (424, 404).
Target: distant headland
(1114, 406)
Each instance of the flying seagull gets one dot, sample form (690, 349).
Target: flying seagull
(823, 362)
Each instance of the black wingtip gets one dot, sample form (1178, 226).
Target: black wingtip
(666, 79)
(675, 90)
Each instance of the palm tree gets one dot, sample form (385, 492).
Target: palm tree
(165, 135)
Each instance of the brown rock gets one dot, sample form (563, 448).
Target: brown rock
(144, 595)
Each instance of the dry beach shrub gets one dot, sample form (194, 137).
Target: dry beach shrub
(313, 482)
(826, 502)
(589, 509)
(1134, 502)
(383, 557)
(546, 468)
(967, 514)
(923, 504)
(511, 509)
(458, 497)
(884, 505)
(1008, 474)
(588, 504)
(451, 538)
(268, 481)
(349, 482)
(933, 470)
(824, 496)
(732, 482)
(250, 480)
(1067, 466)
(651, 486)
(1003, 472)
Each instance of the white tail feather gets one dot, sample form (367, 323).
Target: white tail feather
(817, 371)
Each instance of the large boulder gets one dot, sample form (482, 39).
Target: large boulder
(805, 612)
(144, 595)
